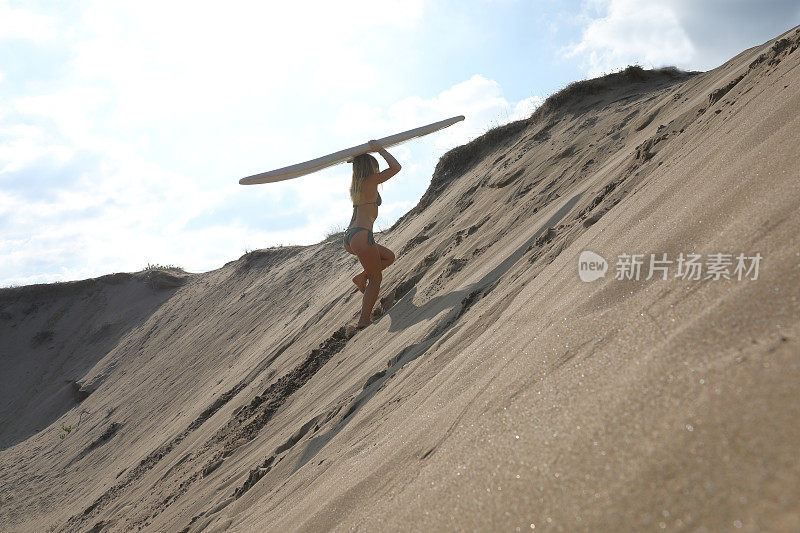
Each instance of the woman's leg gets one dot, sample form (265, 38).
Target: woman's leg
(386, 258)
(370, 259)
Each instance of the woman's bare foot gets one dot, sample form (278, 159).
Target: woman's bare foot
(362, 326)
(361, 281)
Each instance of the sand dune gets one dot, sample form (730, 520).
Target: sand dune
(495, 390)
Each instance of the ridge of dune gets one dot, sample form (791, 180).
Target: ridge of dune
(495, 390)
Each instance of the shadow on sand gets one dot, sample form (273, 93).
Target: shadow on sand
(457, 301)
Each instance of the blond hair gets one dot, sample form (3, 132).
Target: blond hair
(364, 165)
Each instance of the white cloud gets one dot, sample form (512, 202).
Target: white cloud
(685, 33)
(630, 31)
(721, 29)
(111, 164)
(479, 99)
(70, 110)
(525, 108)
(86, 188)
(201, 60)
(18, 23)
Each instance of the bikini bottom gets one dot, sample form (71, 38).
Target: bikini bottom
(348, 235)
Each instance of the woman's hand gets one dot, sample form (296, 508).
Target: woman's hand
(375, 145)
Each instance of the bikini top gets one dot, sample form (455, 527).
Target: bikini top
(376, 202)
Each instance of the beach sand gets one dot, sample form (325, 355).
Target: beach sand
(496, 390)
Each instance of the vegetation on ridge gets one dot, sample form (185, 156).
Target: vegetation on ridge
(460, 159)
(583, 88)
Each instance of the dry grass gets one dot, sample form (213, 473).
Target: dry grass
(336, 231)
(462, 158)
(579, 90)
(162, 267)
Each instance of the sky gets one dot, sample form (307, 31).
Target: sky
(125, 126)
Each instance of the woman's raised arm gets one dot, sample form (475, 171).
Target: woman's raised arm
(394, 166)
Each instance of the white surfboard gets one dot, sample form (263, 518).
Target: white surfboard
(301, 169)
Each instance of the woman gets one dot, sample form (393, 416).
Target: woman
(358, 238)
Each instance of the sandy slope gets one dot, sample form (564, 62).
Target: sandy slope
(499, 391)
